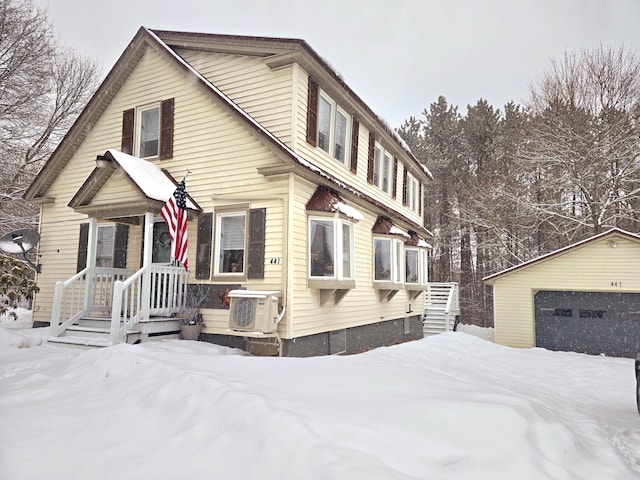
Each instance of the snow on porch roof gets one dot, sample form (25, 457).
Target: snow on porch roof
(154, 183)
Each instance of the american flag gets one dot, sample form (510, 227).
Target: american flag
(174, 213)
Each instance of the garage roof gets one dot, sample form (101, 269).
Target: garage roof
(612, 232)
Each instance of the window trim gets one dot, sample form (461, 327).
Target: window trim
(334, 109)
(397, 258)
(379, 170)
(138, 128)
(217, 274)
(338, 225)
(413, 193)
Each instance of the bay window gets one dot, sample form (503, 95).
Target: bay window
(387, 260)
(330, 248)
(416, 266)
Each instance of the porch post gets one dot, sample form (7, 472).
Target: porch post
(146, 265)
(92, 255)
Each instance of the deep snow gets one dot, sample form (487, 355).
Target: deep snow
(452, 406)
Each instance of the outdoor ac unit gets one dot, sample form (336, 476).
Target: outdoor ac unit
(254, 311)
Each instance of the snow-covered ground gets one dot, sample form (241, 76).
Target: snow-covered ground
(453, 406)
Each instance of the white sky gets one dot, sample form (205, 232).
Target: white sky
(397, 55)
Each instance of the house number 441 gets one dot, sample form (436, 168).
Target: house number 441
(616, 283)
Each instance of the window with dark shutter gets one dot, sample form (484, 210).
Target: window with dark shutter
(120, 246)
(128, 118)
(312, 112)
(404, 188)
(354, 144)
(395, 178)
(371, 156)
(257, 222)
(166, 129)
(83, 243)
(203, 249)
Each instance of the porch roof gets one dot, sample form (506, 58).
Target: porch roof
(156, 185)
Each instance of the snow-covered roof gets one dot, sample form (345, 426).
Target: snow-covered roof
(152, 181)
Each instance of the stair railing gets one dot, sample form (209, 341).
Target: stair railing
(156, 289)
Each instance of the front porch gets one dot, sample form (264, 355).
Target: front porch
(108, 301)
(99, 307)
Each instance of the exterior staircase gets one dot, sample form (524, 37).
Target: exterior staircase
(441, 307)
(100, 307)
(95, 332)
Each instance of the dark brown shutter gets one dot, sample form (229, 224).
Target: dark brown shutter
(83, 243)
(354, 144)
(257, 218)
(404, 188)
(166, 129)
(372, 153)
(421, 199)
(312, 112)
(128, 118)
(203, 249)
(120, 246)
(395, 177)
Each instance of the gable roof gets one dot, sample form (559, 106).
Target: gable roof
(556, 253)
(151, 181)
(146, 38)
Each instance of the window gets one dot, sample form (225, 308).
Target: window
(413, 193)
(387, 260)
(416, 272)
(148, 131)
(382, 162)
(333, 128)
(104, 253)
(330, 248)
(230, 243)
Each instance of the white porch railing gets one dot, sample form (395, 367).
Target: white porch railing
(126, 296)
(76, 297)
(155, 290)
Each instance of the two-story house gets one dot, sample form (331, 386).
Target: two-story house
(297, 192)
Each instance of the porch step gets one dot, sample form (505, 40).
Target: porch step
(79, 342)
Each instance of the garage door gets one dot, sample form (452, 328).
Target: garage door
(589, 322)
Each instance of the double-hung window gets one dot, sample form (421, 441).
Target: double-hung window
(148, 133)
(104, 253)
(388, 260)
(230, 243)
(333, 128)
(331, 248)
(413, 193)
(382, 162)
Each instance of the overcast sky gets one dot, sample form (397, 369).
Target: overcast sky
(397, 55)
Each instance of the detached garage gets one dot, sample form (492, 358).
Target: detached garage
(582, 298)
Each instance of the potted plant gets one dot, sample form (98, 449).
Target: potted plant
(189, 314)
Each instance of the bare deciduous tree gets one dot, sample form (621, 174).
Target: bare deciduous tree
(43, 88)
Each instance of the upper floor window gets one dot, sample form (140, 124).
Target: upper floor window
(148, 132)
(413, 193)
(333, 128)
(331, 248)
(230, 243)
(382, 162)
